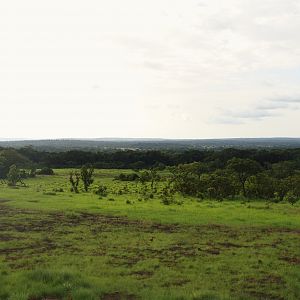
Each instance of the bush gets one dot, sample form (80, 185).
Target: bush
(291, 198)
(46, 171)
(13, 176)
(127, 177)
(101, 190)
(262, 186)
(219, 185)
(167, 195)
(49, 193)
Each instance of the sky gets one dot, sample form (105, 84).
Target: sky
(140, 68)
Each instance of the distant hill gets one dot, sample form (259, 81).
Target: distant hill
(152, 144)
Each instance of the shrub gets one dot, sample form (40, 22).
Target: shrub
(101, 190)
(87, 173)
(127, 177)
(46, 171)
(167, 195)
(262, 186)
(218, 185)
(49, 193)
(13, 176)
(291, 197)
(74, 179)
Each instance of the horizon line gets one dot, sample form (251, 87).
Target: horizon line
(138, 138)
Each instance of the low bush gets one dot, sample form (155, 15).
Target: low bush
(127, 177)
(101, 190)
(45, 171)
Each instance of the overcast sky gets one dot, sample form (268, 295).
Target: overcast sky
(140, 68)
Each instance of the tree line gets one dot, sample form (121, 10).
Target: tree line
(272, 174)
(130, 159)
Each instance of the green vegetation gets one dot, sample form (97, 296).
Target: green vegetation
(46, 171)
(120, 241)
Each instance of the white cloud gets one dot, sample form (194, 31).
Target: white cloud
(270, 108)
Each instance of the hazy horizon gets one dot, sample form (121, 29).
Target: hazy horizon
(149, 69)
(142, 138)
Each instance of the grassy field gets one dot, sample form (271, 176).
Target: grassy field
(61, 245)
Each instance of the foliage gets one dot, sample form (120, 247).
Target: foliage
(14, 176)
(9, 157)
(101, 190)
(218, 185)
(87, 172)
(46, 171)
(167, 194)
(32, 172)
(255, 173)
(262, 186)
(154, 178)
(184, 180)
(127, 177)
(74, 179)
(243, 169)
(145, 159)
(291, 197)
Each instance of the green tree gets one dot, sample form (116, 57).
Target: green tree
(243, 169)
(198, 168)
(262, 186)
(284, 169)
(154, 178)
(184, 180)
(291, 197)
(144, 176)
(13, 176)
(218, 185)
(74, 179)
(293, 184)
(3, 167)
(87, 173)
(32, 172)
(46, 171)
(9, 157)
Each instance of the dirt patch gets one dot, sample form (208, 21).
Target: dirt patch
(28, 251)
(13, 250)
(280, 230)
(271, 279)
(213, 251)
(291, 260)
(47, 298)
(230, 245)
(4, 200)
(143, 274)
(182, 250)
(118, 296)
(128, 260)
(23, 221)
(177, 282)
(255, 287)
(263, 296)
(6, 238)
(42, 221)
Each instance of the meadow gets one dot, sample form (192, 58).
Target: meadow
(55, 244)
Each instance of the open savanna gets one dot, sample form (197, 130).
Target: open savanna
(55, 244)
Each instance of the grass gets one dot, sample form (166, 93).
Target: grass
(59, 245)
